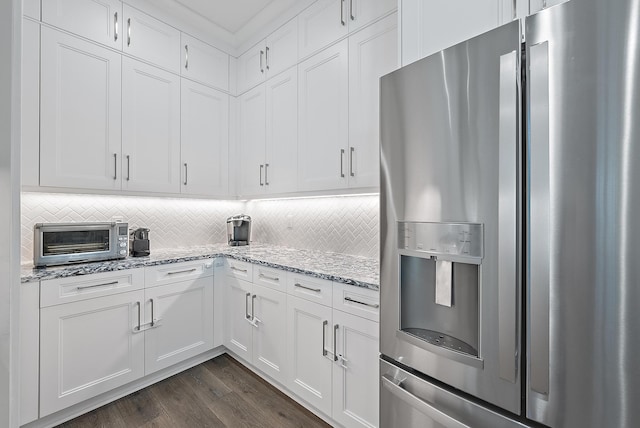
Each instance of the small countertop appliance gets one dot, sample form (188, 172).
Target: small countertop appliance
(239, 230)
(139, 242)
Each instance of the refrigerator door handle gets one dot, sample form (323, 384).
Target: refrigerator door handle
(395, 387)
(540, 240)
(508, 208)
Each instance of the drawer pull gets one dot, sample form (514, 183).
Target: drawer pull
(182, 271)
(317, 290)
(372, 305)
(238, 269)
(84, 287)
(272, 278)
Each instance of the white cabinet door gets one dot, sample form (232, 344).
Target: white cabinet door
(355, 374)
(97, 20)
(373, 52)
(30, 97)
(151, 40)
(204, 140)
(31, 8)
(239, 331)
(251, 148)
(150, 128)
(323, 132)
(251, 67)
(281, 173)
(88, 348)
(29, 351)
(269, 334)
(309, 334)
(320, 24)
(281, 51)
(80, 112)
(183, 322)
(362, 12)
(429, 27)
(204, 63)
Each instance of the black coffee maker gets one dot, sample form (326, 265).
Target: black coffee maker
(139, 242)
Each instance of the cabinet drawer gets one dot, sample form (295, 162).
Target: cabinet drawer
(238, 269)
(168, 274)
(72, 289)
(270, 277)
(358, 301)
(309, 288)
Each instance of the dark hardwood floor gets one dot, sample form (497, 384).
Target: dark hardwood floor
(218, 393)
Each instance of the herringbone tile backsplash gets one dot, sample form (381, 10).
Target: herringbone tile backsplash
(344, 224)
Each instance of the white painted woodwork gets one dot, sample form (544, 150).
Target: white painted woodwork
(269, 310)
(76, 288)
(183, 322)
(29, 351)
(80, 113)
(281, 154)
(309, 288)
(97, 20)
(175, 272)
(281, 51)
(239, 331)
(31, 8)
(270, 277)
(429, 27)
(88, 348)
(204, 63)
(151, 40)
(538, 5)
(355, 374)
(320, 24)
(363, 12)
(359, 301)
(373, 52)
(251, 67)
(239, 269)
(251, 147)
(204, 140)
(150, 128)
(310, 375)
(323, 131)
(30, 101)
(219, 303)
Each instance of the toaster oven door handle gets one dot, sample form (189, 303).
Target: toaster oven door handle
(84, 287)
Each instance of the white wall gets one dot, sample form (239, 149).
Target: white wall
(10, 28)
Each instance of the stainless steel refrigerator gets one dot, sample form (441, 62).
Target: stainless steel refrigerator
(510, 215)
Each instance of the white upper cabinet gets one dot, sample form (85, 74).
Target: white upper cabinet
(205, 140)
(320, 24)
(251, 141)
(372, 54)
(97, 20)
(31, 8)
(150, 128)
(323, 129)
(203, 63)
(151, 40)
(80, 127)
(30, 97)
(538, 5)
(251, 67)
(362, 12)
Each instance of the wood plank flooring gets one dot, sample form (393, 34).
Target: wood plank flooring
(218, 393)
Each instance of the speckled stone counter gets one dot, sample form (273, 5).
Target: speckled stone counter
(353, 270)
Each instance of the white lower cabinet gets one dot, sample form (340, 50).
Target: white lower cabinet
(239, 337)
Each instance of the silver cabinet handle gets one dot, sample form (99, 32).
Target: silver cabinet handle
(238, 269)
(186, 174)
(544, 4)
(139, 312)
(341, 163)
(182, 271)
(246, 306)
(84, 287)
(351, 173)
(272, 278)
(253, 306)
(261, 56)
(115, 166)
(186, 57)
(395, 387)
(115, 27)
(129, 32)
(266, 172)
(152, 317)
(335, 340)
(372, 305)
(128, 167)
(266, 57)
(317, 290)
(261, 167)
(514, 6)
(353, 16)
(324, 329)
(342, 13)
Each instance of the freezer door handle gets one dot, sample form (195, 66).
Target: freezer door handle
(395, 387)
(508, 208)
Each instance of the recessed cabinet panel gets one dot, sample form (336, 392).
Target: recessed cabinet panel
(282, 48)
(269, 308)
(79, 113)
(362, 12)
(320, 24)
(252, 141)
(97, 20)
(30, 97)
(31, 8)
(204, 63)
(252, 67)
(239, 334)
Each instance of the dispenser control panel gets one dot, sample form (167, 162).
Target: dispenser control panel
(448, 240)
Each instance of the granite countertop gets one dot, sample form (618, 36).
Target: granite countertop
(353, 270)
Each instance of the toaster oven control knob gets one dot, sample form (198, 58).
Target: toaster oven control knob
(123, 252)
(123, 244)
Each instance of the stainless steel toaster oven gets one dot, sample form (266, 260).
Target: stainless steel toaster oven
(65, 243)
